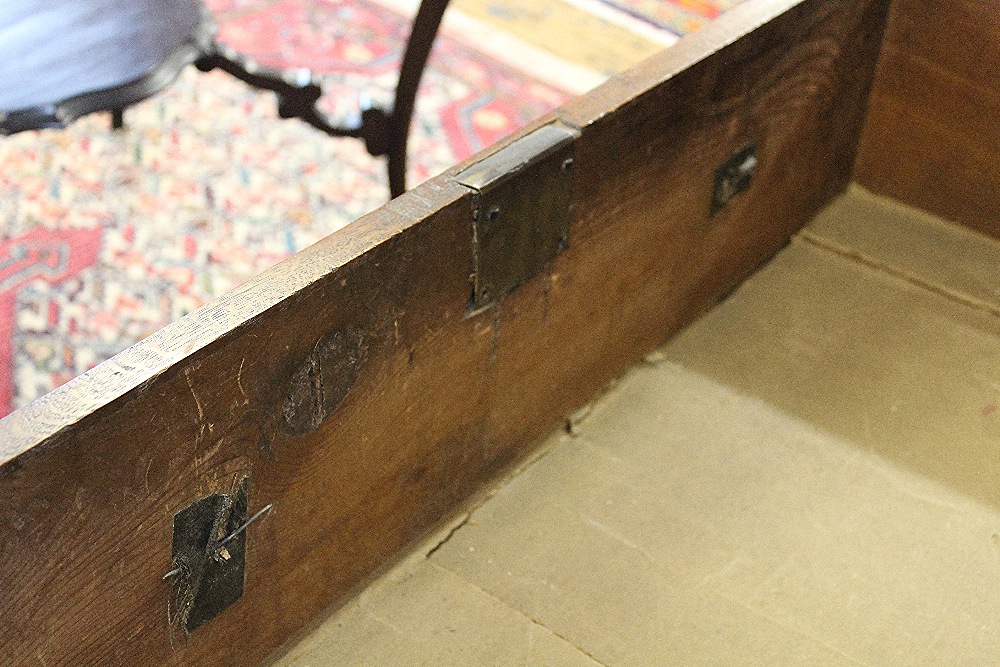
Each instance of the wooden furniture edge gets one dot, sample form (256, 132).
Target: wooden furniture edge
(352, 387)
(931, 140)
(137, 365)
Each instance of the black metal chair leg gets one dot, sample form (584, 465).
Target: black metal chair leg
(397, 169)
(418, 49)
(384, 133)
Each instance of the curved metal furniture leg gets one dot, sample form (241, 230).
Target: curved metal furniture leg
(384, 132)
(418, 48)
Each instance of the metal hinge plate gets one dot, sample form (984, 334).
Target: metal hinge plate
(521, 212)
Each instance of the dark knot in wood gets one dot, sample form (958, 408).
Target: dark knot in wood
(323, 380)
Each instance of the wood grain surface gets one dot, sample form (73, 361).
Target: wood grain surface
(932, 139)
(435, 402)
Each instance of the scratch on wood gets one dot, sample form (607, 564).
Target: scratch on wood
(239, 381)
(197, 402)
(495, 333)
(546, 291)
(212, 452)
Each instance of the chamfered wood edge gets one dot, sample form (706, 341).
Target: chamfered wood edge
(433, 415)
(129, 371)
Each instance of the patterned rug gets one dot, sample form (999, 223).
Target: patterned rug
(107, 236)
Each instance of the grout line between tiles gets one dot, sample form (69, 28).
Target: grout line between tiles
(791, 629)
(858, 257)
(521, 612)
(495, 488)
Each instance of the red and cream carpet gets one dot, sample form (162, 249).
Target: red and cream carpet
(106, 236)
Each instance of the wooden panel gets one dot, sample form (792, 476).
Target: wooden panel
(92, 474)
(720, 506)
(931, 139)
(645, 258)
(90, 509)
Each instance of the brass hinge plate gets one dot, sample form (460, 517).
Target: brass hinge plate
(521, 211)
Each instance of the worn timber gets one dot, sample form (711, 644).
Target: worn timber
(932, 139)
(439, 401)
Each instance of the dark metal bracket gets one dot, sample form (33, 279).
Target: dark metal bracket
(209, 557)
(521, 214)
